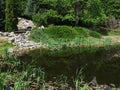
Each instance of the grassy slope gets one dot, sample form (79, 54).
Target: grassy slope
(84, 36)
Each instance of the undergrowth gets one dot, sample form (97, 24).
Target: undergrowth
(4, 44)
(15, 75)
(61, 32)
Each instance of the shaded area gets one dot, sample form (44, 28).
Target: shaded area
(96, 61)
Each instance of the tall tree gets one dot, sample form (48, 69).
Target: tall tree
(11, 16)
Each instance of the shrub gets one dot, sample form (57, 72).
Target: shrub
(95, 34)
(40, 19)
(60, 31)
(82, 32)
(37, 34)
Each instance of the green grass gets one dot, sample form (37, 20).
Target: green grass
(19, 76)
(95, 34)
(21, 79)
(61, 32)
(57, 37)
(4, 44)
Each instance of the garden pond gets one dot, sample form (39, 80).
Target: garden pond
(103, 62)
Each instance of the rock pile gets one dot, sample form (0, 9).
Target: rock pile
(20, 41)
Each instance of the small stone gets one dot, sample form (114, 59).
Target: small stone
(10, 50)
(11, 40)
(112, 85)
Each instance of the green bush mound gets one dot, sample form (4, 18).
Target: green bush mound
(60, 31)
(82, 32)
(37, 34)
(95, 34)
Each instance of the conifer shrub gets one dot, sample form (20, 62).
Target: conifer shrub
(82, 32)
(95, 34)
(39, 19)
(60, 31)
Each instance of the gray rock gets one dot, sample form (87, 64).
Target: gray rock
(11, 40)
(6, 34)
(10, 50)
(11, 34)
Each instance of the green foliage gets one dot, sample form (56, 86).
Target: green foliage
(78, 79)
(11, 69)
(37, 35)
(112, 8)
(4, 45)
(21, 7)
(114, 32)
(60, 31)
(95, 34)
(11, 16)
(89, 12)
(29, 8)
(82, 32)
(94, 14)
(40, 19)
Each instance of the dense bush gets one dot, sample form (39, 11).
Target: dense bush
(95, 34)
(37, 34)
(40, 19)
(60, 31)
(82, 32)
(112, 8)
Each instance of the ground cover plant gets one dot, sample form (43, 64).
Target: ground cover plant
(4, 44)
(58, 36)
(15, 75)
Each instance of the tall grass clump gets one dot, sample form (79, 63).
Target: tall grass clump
(38, 35)
(4, 45)
(82, 32)
(17, 76)
(95, 34)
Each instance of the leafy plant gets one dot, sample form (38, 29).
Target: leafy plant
(82, 32)
(60, 31)
(95, 34)
(40, 19)
(78, 79)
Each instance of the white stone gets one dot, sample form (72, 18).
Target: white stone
(10, 50)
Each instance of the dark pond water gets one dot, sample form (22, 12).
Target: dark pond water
(102, 63)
